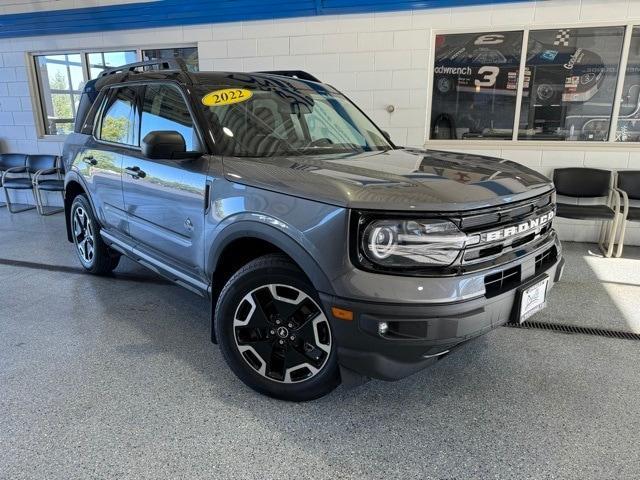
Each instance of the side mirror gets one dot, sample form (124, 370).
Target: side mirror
(386, 135)
(165, 144)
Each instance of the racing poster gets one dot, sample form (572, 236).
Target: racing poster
(571, 77)
(475, 85)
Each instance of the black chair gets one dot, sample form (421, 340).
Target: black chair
(21, 178)
(49, 180)
(10, 160)
(590, 183)
(628, 184)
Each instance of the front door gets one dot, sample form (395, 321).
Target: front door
(100, 163)
(165, 199)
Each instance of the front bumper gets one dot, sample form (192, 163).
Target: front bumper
(424, 332)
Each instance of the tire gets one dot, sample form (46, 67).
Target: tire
(273, 332)
(94, 255)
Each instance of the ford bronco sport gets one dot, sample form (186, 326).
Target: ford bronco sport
(328, 252)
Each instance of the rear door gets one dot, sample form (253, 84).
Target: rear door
(114, 134)
(165, 199)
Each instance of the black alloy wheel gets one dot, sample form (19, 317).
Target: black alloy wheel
(273, 332)
(94, 255)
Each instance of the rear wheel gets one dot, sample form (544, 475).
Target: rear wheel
(94, 255)
(273, 333)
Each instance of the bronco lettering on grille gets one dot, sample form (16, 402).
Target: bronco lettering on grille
(529, 225)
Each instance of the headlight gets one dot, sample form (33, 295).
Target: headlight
(412, 243)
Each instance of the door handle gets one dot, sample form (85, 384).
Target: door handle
(89, 160)
(135, 172)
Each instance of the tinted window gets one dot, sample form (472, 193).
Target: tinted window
(164, 109)
(117, 123)
(292, 121)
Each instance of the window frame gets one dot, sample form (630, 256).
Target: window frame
(36, 81)
(515, 141)
(185, 98)
(36, 89)
(97, 125)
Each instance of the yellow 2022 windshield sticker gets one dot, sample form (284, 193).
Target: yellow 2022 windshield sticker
(226, 96)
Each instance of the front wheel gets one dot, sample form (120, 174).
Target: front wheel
(94, 255)
(273, 333)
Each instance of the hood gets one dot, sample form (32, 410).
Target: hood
(394, 180)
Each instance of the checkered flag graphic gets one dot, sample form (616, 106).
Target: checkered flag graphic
(562, 38)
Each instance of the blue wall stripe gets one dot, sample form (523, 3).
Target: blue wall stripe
(167, 13)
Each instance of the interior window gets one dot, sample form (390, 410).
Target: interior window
(628, 123)
(100, 61)
(188, 54)
(164, 109)
(570, 82)
(475, 83)
(117, 123)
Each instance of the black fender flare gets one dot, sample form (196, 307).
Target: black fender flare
(261, 231)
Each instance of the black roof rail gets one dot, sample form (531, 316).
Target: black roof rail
(163, 64)
(302, 75)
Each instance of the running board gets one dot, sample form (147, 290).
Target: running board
(156, 266)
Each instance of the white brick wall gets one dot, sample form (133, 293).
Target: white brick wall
(377, 59)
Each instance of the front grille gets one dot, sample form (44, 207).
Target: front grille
(546, 259)
(505, 215)
(503, 281)
(506, 223)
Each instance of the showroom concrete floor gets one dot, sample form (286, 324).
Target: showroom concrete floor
(116, 378)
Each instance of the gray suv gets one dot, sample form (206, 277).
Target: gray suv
(328, 253)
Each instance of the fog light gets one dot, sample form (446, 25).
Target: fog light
(383, 328)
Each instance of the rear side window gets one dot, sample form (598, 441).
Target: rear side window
(164, 109)
(118, 123)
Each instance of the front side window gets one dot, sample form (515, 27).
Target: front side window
(291, 120)
(117, 123)
(60, 78)
(164, 108)
(475, 85)
(570, 83)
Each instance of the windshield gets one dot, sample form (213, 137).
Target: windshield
(279, 121)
